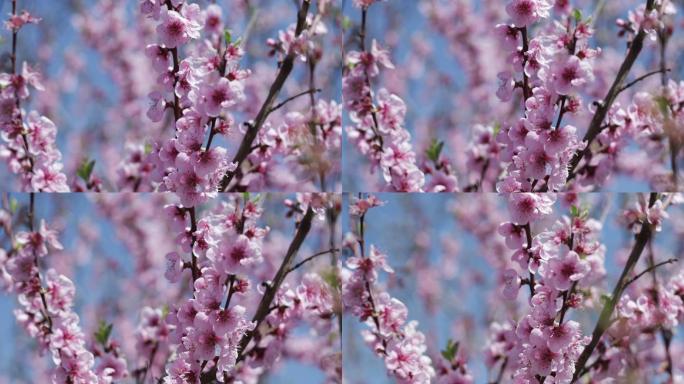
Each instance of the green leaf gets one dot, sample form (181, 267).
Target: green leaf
(605, 298)
(86, 169)
(433, 151)
(449, 353)
(227, 34)
(346, 23)
(497, 129)
(580, 212)
(577, 14)
(331, 277)
(165, 310)
(663, 104)
(103, 332)
(574, 211)
(148, 148)
(14, 205)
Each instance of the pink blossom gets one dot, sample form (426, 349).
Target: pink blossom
(560, 336)
(566, 269)
(526, 12)
(176, 28)
(528, 207)
(511, 282)
(220, 95)
(569, 73)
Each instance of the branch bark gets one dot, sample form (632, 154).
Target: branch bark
(604, 106)
(604, 321)
(272, 288)
(253, 128)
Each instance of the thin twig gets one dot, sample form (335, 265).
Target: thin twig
(649, 269)
(281, 104)
(642, 77)
(310, 258)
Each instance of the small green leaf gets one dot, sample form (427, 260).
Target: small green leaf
(103, 332)
(228, 36)
(663, 104)
(165, 310)
(434, 150)
(449, 353)
(14, 205)
(574, 211)
(605, 298)
(86, 169)
(346, 23)
(245, 196)
(148, 148)
(497, 129)
(577, 14)
(257, 198)
(331, 277)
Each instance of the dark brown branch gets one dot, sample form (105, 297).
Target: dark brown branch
(193, 229)
(499, 377)
(603, 107)
(604, 321)
(253, 128)
(649, 269)
(272, 288)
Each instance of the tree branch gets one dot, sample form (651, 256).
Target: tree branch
(649, 269)
(272, 288)
(310, 258)
(603, 107)
(253, 128)
(604, 321)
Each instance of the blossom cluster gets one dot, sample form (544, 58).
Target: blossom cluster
(551, 71)
(207, 87)
(563, 267)
(397, 341)
(200, 90)
(654, 121)
(549, 65)
(29, 138)
(46, 312)
(378, 119)
(212, 330)
(556, 264)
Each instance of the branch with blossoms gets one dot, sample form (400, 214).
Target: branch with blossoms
(234, 314)
(29, 146)
(46, 305)
(205, 89)
(543, 154)
(399, 343)
(378, 119)
(214, 337)
(562, 265)
(564, 119)
(550, 279)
